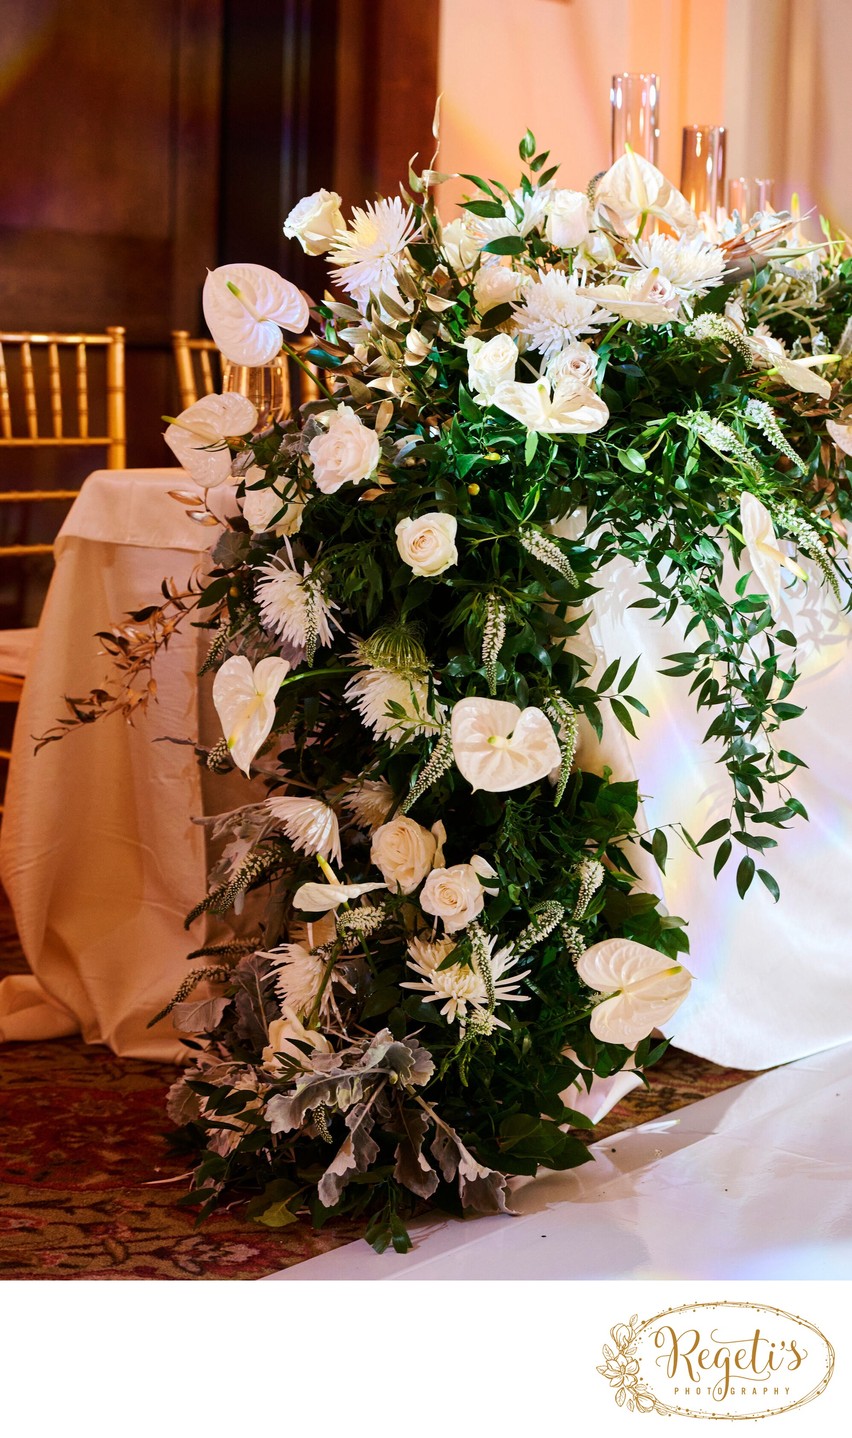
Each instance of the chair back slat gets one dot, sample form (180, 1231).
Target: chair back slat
(28, 379)
(55, 388)
(82, 378)
(5, 408)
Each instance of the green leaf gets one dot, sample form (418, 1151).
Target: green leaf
(770, 883)
(506, 245)
(526, 149)
(716, 831)
(627, 677)
(488, 209)
(623, 716)
(632, 460)
(530, 447)
(745, 874)
(660, 849)
(723, 854)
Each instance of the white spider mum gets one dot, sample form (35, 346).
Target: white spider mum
(372, 691)
(293, 606)
(310, 825)
(691, 266)
(554, 313)
(298, 976)
(460, 990)
(370, 803)
(533, 209)
(367, 255)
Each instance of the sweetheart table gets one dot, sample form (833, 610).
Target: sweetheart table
(101, 859)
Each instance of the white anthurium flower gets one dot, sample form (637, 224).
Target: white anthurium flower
(642, 988)
(310, 825)
(633, 188)
(199, 436)
(246, 307)
(244, 699)
(841, 434)
(569, 408)
(316, 222)
(798, 373)
(315, 898)
(767, 560)
(646, 299)
(498, 747)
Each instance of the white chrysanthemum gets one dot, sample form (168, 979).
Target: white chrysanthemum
(691, 266)
(298, 977)
(370, 803)
(463, 991)
(292, 607)
(367, 255)
(533, 211)
(372, 690)
(554, 313)
(310, 825)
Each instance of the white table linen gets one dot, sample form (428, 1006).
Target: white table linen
(773, 981)
(98, 851)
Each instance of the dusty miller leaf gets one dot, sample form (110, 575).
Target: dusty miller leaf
(199, 1016)
(355, 1155)
(412, 1167)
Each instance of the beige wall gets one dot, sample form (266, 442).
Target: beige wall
(776, 72)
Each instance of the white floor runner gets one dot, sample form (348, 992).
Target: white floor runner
(755, 1182)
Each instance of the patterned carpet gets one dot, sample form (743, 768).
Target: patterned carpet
(84, 1166)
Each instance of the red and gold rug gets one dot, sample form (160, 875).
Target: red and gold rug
(85, 1166)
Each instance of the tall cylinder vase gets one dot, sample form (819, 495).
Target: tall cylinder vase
(635, 100)
(702, 171)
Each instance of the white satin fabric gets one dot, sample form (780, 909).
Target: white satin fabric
(98, 851)
(773, 982)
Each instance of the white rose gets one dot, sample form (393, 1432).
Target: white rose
(577, 361)
(495, 285)
(347, 453)
(428, 544)
(569, 219)
(260, 507)
(459, 245)
(489, 364)
(404, 852)
(316, 222)
(455, 895)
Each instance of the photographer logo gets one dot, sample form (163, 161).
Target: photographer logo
(717, 1360)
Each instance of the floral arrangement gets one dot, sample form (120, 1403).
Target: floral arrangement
(454, 941)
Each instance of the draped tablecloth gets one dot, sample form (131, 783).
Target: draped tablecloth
(98, 852)
(773, 981)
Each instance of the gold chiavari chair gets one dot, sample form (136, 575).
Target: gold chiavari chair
(199, 367)
(202, 369)
(37, 374)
